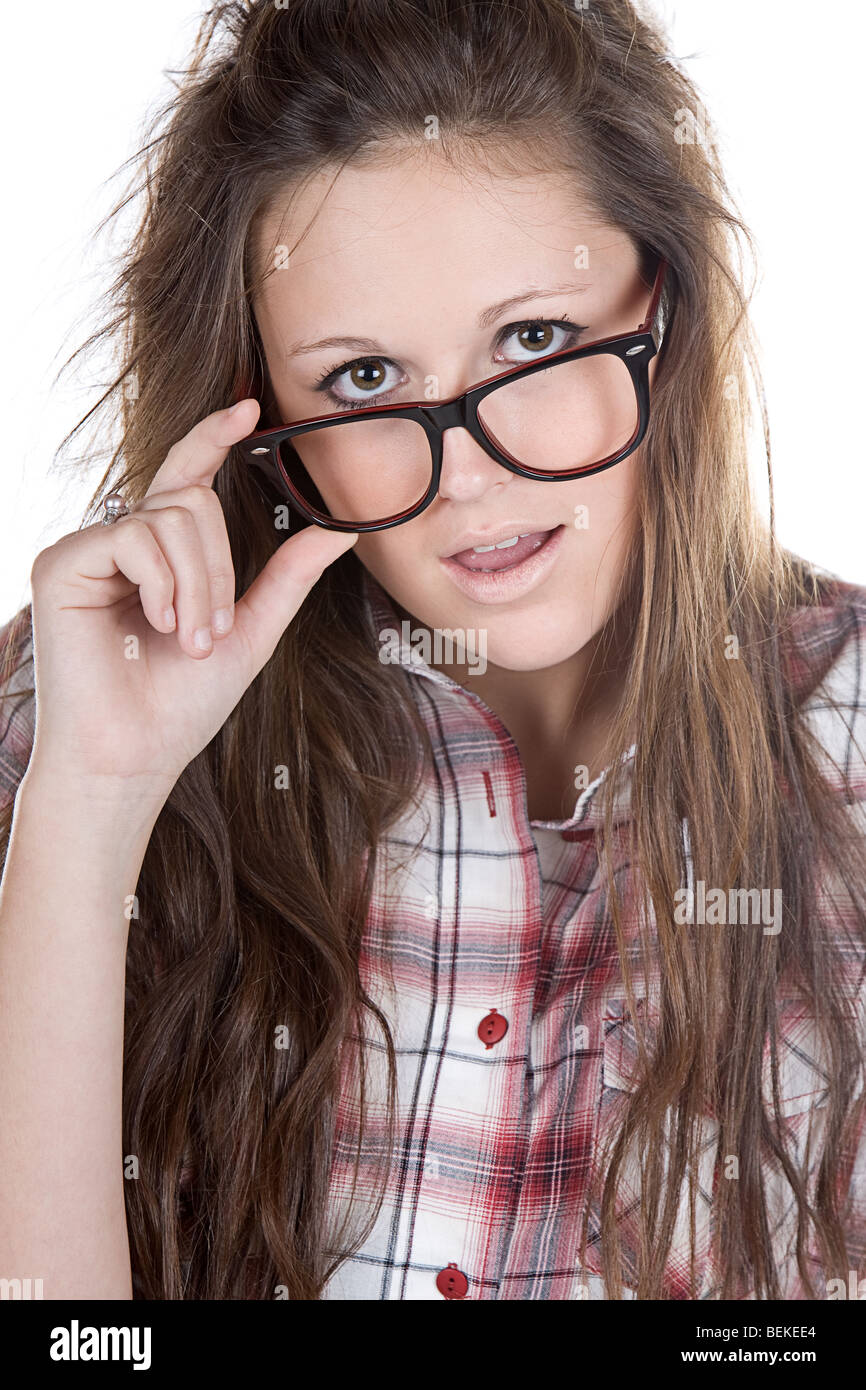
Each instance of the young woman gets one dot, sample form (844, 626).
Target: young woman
(434, 839)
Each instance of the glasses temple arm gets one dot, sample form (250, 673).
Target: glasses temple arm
(649, 324)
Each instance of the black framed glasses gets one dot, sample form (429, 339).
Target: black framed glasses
(568, 415)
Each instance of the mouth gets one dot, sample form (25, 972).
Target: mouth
(500, 573)
(505, 554)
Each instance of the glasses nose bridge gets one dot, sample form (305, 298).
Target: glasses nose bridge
(449, 415)
(459, 413)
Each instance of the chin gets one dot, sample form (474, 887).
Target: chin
(525, 642)
(510, 655)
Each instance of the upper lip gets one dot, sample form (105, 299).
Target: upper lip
(502, 533)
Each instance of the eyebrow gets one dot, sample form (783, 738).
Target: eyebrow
(487, 317)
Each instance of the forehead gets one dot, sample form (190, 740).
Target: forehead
(423, 226)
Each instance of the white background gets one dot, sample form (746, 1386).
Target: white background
(781, 79)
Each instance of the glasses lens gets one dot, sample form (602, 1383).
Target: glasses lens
(571, 415)
(360, 471)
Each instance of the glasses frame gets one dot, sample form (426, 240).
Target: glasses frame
(261, 449)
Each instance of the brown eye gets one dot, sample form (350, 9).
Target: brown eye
(536, 335)
(536, 338)
(367, 376)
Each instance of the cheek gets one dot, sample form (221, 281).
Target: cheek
(604, 509)
(393, 557)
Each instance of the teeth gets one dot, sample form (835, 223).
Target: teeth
(503, 545)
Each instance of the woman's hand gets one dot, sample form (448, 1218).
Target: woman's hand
(126, 693)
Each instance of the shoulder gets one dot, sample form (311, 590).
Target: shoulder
(823, 652)
(17, 702)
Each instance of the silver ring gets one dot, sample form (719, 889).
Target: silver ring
(115, 506)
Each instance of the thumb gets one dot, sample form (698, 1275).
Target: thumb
(275, 595)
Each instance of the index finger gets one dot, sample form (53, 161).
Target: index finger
(197, 458)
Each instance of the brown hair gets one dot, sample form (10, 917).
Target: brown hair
(252, 905)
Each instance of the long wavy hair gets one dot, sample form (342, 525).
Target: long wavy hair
(252, 905)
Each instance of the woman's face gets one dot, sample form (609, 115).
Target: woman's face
(438, 271)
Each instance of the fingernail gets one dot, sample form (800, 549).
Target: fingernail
(202, 639)
(222, 620)
(168, 617)
(235, 407)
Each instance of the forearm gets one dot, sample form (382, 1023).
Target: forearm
(72, 864)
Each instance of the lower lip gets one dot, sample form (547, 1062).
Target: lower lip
(503, 586)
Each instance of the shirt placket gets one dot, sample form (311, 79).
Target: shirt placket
(469, 1125)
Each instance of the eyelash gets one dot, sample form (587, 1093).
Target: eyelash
(332, 374)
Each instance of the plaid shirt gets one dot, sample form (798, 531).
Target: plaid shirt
(490, 953)
(514, 1045)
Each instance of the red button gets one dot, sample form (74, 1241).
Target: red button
(492, 1028)
(452, 1282)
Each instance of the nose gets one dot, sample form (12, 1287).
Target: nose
(468, 472)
